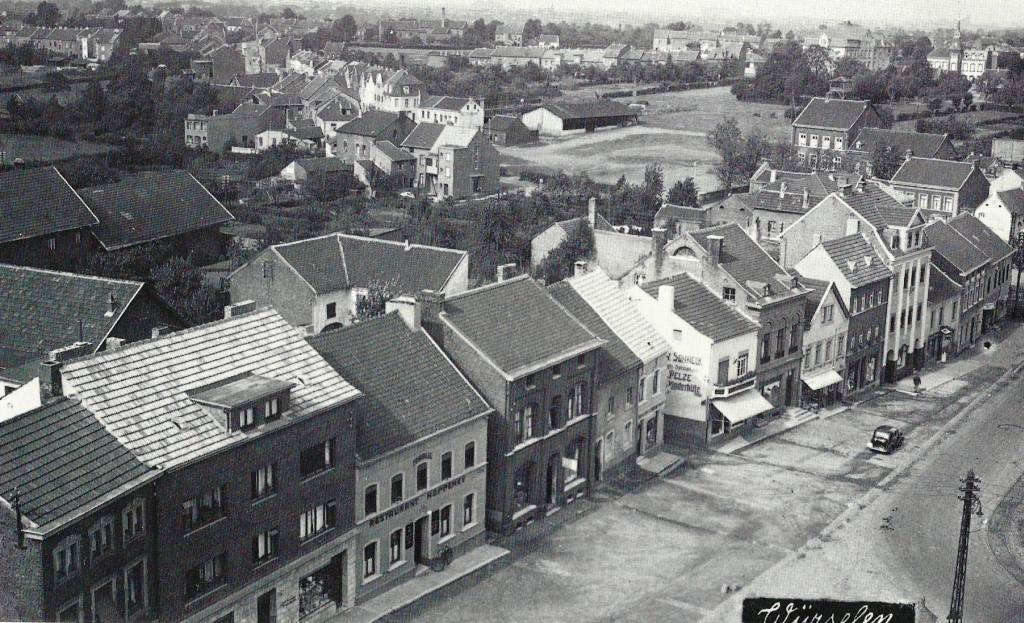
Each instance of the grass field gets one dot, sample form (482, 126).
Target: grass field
(45, 148)
(673, 133)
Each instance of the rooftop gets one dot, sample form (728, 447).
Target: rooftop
(933, 172)
(248, 389)
(832, 114)
(856, 259)
(424, 135)
(918, 143)
(954, 247)
(589, 110)
(615, 358)
(979, 234)
(39, 202)
(742, 258)
(1013, 200)
(702, 310)
(372, 123)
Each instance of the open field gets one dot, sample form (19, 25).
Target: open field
(45, 148)
(672, 133)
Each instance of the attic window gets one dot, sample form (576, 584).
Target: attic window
(247, 402)
(767, 290)
(867, 260)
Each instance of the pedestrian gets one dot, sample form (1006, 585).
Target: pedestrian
(917, 382)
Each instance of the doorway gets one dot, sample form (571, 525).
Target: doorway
(266, 607)
(598, 458)
(552, 482)
(421, 541)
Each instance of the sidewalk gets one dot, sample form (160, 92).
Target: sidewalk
(775, 427)
(945, 373)
(394, 604)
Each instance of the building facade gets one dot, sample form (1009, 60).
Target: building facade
(825, 328)
(824, 130)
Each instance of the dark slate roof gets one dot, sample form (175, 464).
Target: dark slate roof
(817, 289)
(589, 110)
(396, 154)
(680, 213)
(919, 143)
(979, 234)
(790, 202)
(318, 261)
(424, 135)
(517, 324)
(39, 202)
(372, 123)
(61, 458)
(1013, 200)
(501, 123)
(952, 246)
(879, 207)
(940, 287)
(742, 258)
(42, 310)
(851, 256)
(615, 357)
(152, 205)
(704, 311)
(834, 114)
(323, 165)
(454, 104)
(933, 172)
(570, 225)
(410, 388)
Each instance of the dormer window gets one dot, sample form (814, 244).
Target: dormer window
(767, 290)
(245, 403)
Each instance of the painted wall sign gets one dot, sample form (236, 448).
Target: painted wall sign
(771, 610)
(687, 386)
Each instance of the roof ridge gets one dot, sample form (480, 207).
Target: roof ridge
(402, 244)
(69, 274)
(489, 286)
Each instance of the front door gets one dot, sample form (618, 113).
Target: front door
(789, 388)
(422, 540)
(552, 483)
(266, 607)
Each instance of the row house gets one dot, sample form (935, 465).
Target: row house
(895, 232)
(738, 271)
(905, 144)
(452, 161)
(420, 451)
(711, 381)
(536, 365)
(239, 128)
(632, 369)
(826, 323)
(252, 435)
(317, 283)
(457, 111)
(946, 185)
(1000, 256)
(778, 198)
(861, 283)
(824, 130)
(965, 265)
(511, 56)
(944, 319)
(355, 139)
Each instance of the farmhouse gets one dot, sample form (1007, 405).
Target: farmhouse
(558, 120)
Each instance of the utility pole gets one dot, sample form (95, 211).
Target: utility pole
(970, 490)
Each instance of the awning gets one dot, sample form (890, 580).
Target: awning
(829, 377)
(743, 405)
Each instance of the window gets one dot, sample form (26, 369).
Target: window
(802, 140)
(397, 490)
(531, 381)
(581, 361)
(446, 521)
(729, 294)
(316, 520)
(203, 509)
(919, 312)
(316, 459)
(370, 500)
(741, 365)
(470, 455)
(273, 409)
(264, 546)
(640, 391)
(807, 359)
(71, 612)
(571, 464)
(65, 558)
(467, 511)
(766, 346)
(370, 560)
(892, 323)
(446, 466)
(827, 313)
(264, 481)
(611, 404)
(52, 243)
(435, 523)
(422, 473)
(817, 353)
(396, 547)
(629, 395)
(780, 342)
(828, 349)
(205, 577)
(839, 143)
(133, 519)
(814, 140)
(556, 371)
(332, 310)
(627, 436)
(246, 418)
(654, 382)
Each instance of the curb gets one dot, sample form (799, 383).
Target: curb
(868, 498)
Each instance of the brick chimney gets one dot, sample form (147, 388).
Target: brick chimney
(659, 237)
(771, 175)
(806, 198)
(237, 309)
(715, 245)
(667, 297)
(65, 353)
(908, 155)
(431, 304)
(782, 191)
(505, 271)
(160, 331)
(408, 308)
(50, 380)
(114, 343)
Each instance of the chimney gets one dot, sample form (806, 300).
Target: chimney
(78, 349)
(908, 155)
(237, 309)
(592, 212)
(407, 245)
(49, 379)
(505, 272)
(579, 268)
(667, 297)
(214, 112)
(659, 237)
(771, 175)
(852, 226)
(444, 20)
(160, 331)
(806, 198)
(114, 343)
(111, 304)
(408, 308)
(715, 244)
(782, 190)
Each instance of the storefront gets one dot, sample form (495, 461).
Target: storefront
(735, 414)
(823, 389)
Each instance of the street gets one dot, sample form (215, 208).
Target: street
(807, 513)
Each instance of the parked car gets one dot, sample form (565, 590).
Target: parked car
(886, 439)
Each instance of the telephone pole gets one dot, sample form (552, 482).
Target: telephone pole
(970, 490)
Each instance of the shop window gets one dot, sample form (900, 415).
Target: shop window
(524, 475)
(652, 430)
(571, 464)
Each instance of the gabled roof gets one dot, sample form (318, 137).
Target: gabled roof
(940, 287)
(979, 234)
(338, 261)
(395, 154)
(501, 123)
(918, 143)
(61, 459)
(615, 358)
(817, 290)
(589, 110)
(403, 78)
(141, 391)
(518, 325)
(150, 206)
(411, 389)
(878, 207)
(424, 135)
(856, 259)
(39, 202)
(372, 123)
(42, 310)
(322, 165)
(702, 310)
(1013, 200)
(954, 247)
(453, 104)
(742, 258)
(832, 114)
(933, 172)
(684, 214)
(454, 136)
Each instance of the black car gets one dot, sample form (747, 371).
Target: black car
(886, 439)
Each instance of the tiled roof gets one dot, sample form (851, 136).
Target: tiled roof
(918, 143)
(979, 234)
(518, 325)
(403, 78)
(680, 213)
(570, 225)
(1013, 200)
(372, 123)
(453, 136)
(501, 123)
(833, 114)
(454, 104)
(589, 110)
(878, 207)
(817, 289)
(933, 172)
(60, 458)
(337, 261)
(140, 392)
(742, 258)
(789, 202)
(615, 358)
(424, 135)
(856, 259)
(320, 165)
(396, 154)
(38, 202)
(42, 310)
(952, 246)
(150, 206)
(615, 310)
(702, 310)
(411, 390)
(940, 287)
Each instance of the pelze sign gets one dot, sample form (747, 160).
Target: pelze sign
(771, 610)
(686, 387)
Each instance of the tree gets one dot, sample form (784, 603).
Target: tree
(727, 139)
(289, 13)
(532, 29)
(560, 262)
(885, 160)
(346, 29)
(684, 193)
(653, 188)
(46, 15)
(374, 302)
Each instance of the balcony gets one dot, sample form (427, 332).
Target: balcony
(728, 388)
